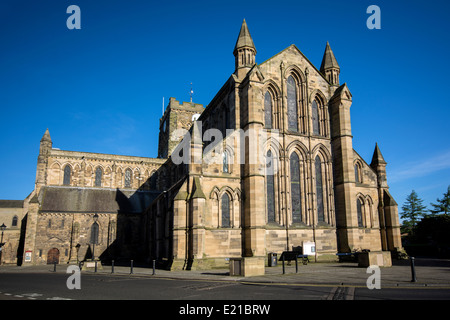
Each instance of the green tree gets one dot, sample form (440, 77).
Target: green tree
(413, 211)
(443, 205)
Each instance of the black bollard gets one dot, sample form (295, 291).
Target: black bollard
(131, 267)
(154, 262)
(282, 256)
(296, 264)
(54, 266)
(413, 271)
(95, 266)
(112, 266)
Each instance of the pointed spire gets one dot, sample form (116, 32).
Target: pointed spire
(244, 39)
(330, 68)
(244, 52)
(377, 158)
(329, 60)
(46, 136)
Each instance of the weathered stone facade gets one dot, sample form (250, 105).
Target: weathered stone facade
(267, 166)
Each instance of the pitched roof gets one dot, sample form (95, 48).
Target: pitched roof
(11, 203)
(244, 39)
(329, 60)
(72, 199)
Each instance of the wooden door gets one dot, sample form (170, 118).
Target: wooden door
(53, 256)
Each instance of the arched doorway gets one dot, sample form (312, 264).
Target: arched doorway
(53, 256)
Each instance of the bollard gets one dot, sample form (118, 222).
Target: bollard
(54, 266)
(413, 271)
(296, 264)
(282, 256)
(154, 261)
(95, 266)
(131, 267)
(112, 266)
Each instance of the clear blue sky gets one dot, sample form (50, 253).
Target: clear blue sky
(100, 89)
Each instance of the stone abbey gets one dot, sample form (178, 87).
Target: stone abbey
(312, 186)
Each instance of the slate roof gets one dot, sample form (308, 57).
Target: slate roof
(89, 200)
(11, 203)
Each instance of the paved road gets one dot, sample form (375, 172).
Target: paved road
(52, 286)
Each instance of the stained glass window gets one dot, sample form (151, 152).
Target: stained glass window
(270, 187)
(295, 189)
(225, 211)
(67, 173)
(98, 177)
(319, 191)
(315, 118)
(292, 104)
(359, 212)
(128, 178)
(268, 110)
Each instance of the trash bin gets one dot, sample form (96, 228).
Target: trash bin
(272, 259)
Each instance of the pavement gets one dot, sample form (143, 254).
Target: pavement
(429, 273)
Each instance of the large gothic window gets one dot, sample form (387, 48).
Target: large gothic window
(292, 104)
(319, 190)
(270, 187)
(67, 174)
(128, 178)
(225, 210)
(268, 111)
(295, 189)
(98, 177)
(359, 206)
(315, 118)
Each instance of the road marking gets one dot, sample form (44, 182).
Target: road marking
(58, 298)
(32, 295)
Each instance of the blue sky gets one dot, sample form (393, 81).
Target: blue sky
(100, 89)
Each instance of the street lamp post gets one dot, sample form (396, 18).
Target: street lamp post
(2, 227)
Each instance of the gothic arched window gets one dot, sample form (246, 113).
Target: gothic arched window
(319, 190)
(268, 111)
(225, 211)
(128, 175)
(226, 167)
(98, 177)
(359, 205)
(292, 104)
(315, 118)
(14, 221)
(295, 189)
(270, 187)
(67, 174)
(358, 173)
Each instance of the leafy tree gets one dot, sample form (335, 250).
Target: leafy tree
(413, 211)
(443, 205)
